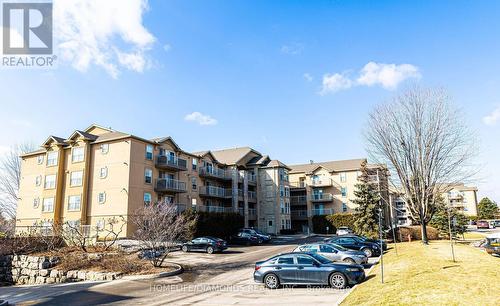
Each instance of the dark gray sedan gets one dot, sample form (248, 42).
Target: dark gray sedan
(306, 269)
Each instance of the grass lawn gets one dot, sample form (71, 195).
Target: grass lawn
(426, 275)
(473, 236)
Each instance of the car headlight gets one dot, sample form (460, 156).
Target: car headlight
(352, 269)
(375, 247)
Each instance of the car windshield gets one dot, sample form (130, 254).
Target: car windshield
(320, 258)
(259, 232)
(338, 247)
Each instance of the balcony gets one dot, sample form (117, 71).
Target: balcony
(298, 200)
(297, 185)
(215, 173)
(322, 197)
(215, 192)
(252, 178)
(252, 212)
(170, 163)
(215, 209)
(252, 196)
(169, 185)
(299, 214)
(321, 183)
(322, 212)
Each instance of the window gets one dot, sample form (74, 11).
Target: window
(149, 152)
(77, 155)
(103, 173)
(104, 148)
(282, 191)
(304, 260)
(101, 198)
(39, 159)
(50, 181)
(38, 180)
(74, 202)
(147, 198)
(285, 260)
(99, 225)
(76, 178)
(287, 191)
(194, 183)
(52, 158)
(343, 177)
(282, 206)
(194, 163)
(48, 205)
(344, 207)
(343, 190)
(282, 223)
(148, 176)
(193, 202)
(36, 202)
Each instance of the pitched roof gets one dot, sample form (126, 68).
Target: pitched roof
(58, 140)
(332, 166)
(166, 138)
(234, 155)
(275, 164)
(83, 134)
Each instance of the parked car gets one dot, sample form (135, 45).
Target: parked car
(363, 238)
(256, 232)
(369, 248)
(483, 224)
(492, 246)
(344, 230)
(205, 244)
(244, 238)
(306, 269)
(334, 252)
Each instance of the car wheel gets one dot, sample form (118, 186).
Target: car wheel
(210, 250)
(368, 252)
(349, 260)
(248, 243)
(260, 241)
(271, 281)
(184, 248)
(338, 280)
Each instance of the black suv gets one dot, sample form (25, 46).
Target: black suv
(369, 248)
(205, 244)
(263, 237)
(363, 238)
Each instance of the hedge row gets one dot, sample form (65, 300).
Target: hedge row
(221, 225)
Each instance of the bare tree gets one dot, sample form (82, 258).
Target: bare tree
(159, 228)
(10, 177)
(424, 140)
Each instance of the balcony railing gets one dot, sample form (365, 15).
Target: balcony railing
(215, 173)
(252, 212)
(298, 200)
(322, 197)
(298, 213)
(322, 183)
(215, 209)
(322, 212)
(218, 192)
(167, 184)
(252, 195)
(172, 163)
(252, 178)
(300, 184)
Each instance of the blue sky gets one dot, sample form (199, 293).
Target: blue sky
(284, 77)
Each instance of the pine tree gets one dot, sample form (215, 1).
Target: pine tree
(487, 209)
(367, 200)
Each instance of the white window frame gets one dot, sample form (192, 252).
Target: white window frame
(75, 182)
(36, 203)
(51, 160)
(343, 191)
(39, 159)
(104, 147)
(38, 180)
(77, 204)
(103, 199)
(77, 158)
(105, 172)
(194, 163)
(148, 146)
(100, 224)
(150, 198)
(53, 184)
(44, 207)
(343, 177)
(146, 170)
(344, 207)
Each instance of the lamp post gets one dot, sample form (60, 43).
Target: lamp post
(451, 236)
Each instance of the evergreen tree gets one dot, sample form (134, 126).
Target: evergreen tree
(440, 221)
(368, 202)
(487, 209)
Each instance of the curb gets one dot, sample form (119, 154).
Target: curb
(352, 289)
(177, 271)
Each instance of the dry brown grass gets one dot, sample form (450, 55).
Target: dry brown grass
(426, 275)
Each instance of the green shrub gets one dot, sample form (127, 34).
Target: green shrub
(320, 223)
(221, 225)
(342, 219)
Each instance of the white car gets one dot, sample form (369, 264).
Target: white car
(344, 230)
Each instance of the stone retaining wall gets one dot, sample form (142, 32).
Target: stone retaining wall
(22, 270)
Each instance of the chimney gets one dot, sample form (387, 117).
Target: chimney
(311, 161)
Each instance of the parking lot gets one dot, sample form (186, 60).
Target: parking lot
(215, 279)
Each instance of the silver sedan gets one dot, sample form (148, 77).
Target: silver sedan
(334, 252)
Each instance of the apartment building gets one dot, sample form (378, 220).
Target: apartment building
(99, 173)
(461, 197)
(328, 187)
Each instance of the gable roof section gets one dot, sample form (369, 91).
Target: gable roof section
(332, 166)
(166, 139)
(205, 153)
(85, 135)
(96, 129)
(234, 155)
(51, 139)
(276, 164)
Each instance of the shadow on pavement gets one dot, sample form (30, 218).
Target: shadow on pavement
(82, 298)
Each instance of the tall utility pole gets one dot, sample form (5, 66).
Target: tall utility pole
(392, 225)
(451, 236)
(380, 229)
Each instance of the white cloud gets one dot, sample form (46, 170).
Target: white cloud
(492, 118)
(109, 34)
(387, 75)
(167, 47)
(308, 77)
(335, 82)
(292, 49)
(200, 118)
